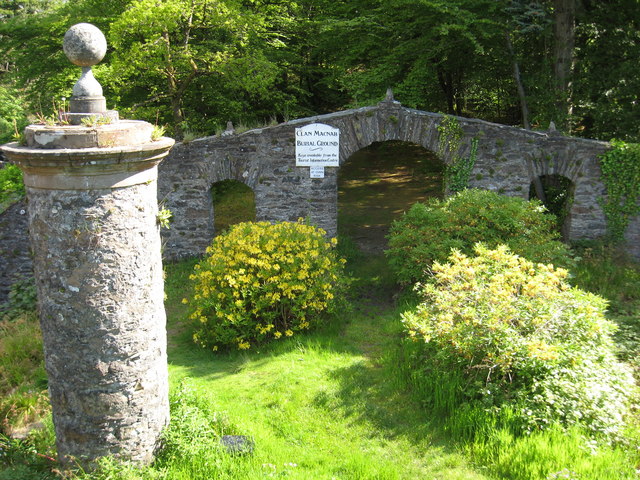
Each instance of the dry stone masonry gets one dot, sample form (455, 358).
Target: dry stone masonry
(92, 215)
(508, 161)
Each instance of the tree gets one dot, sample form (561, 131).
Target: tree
(606, 83)
(427, 50)
(564, 20)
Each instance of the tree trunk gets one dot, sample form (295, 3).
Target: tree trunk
(446, 83)
(564, 17)
(524, 107)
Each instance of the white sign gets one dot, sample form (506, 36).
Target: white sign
(317, 145)
(316, 172)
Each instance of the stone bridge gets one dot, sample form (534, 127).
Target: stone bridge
(509, 160)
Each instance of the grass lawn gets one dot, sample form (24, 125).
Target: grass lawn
(329, 403)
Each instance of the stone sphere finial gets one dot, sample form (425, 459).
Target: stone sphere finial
(84, 44)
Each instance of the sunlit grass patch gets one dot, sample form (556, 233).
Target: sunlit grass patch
(23, 380)
(233, 202)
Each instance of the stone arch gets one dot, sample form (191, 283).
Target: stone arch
(574, 166)
(508, 160)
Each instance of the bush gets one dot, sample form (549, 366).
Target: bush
(22, 297)
(428, 232)
(11, 185)
(516, 336)
(262, 282)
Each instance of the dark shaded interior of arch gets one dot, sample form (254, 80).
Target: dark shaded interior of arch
(380, 182)
(556, 194)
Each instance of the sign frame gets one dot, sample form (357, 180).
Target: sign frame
(317, 145)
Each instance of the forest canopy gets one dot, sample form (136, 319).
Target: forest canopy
(193, 65)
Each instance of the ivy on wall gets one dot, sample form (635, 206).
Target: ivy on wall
(621, 176)
(458, 170)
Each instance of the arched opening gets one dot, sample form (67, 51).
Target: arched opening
(233, 202)
(379, 183)
(556, 194)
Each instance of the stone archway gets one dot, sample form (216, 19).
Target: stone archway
(555, 191)
(508, 159)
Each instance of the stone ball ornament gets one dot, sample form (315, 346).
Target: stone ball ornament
(84, 44)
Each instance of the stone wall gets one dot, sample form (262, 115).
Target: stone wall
(14, 248)
(508, 160)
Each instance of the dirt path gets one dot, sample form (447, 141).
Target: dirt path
(380, 182)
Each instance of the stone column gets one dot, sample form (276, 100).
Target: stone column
(92, 206)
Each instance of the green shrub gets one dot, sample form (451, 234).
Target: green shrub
(261, 282)
(11, 185)
(511, 336)
(22, 297)
(428, 232)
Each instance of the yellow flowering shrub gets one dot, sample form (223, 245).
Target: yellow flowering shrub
(516, 334)
(261, 281)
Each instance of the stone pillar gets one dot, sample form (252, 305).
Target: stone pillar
(92, 207)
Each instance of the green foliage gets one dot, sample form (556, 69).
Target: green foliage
(22, 375)
(606, 270)
(158, 132)
(11, 185)
(621, 176)
(22, 297)
(198, 64)
(458, 170)
(428, 232)
(605, 86)
(12, 116)
(553, 454)
(557, 196)
(194, 427)
(24, 460)
(164, 218)
(516, 336)
(261, 282)
(96, 121)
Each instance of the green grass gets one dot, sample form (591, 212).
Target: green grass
(330, 402)
(233, 202)
(11, 186)
(23, 381)
(336, 404)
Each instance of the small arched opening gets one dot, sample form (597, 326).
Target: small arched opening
(233, 202)
(556, 194)
(378, 183)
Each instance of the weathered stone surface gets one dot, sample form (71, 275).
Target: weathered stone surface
(84, 45)
(100, 290)
(508, 160)
(97, 263)
(126, 132)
